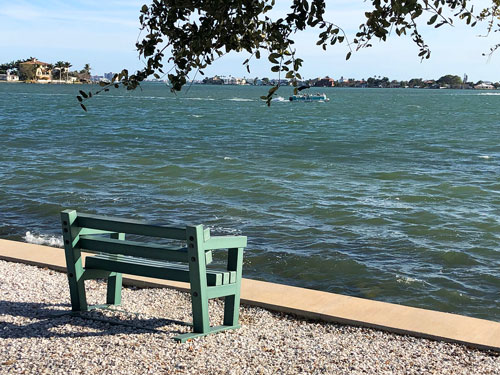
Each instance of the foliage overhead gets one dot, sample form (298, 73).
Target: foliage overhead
(194, 33)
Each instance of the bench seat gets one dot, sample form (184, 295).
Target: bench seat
(154, 268)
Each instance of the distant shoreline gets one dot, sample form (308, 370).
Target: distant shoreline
(234, 85)
(49, 83)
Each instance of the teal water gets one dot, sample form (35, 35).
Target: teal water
(386, 194)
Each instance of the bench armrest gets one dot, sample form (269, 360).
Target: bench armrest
(225, 242)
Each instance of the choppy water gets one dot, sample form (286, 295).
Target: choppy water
(386, 194)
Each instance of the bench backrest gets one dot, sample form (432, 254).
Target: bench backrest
(80, 230)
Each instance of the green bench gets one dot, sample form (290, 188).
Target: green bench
(105, 236)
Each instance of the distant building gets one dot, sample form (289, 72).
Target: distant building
(281, 82)
(84, 77)
(109, 75)
(35, 70)
(484, 86)
(227, 80)
(216, 80)
(325, 82)
(9, 77)
(360, 83)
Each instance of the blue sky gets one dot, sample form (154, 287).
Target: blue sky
(103, 34)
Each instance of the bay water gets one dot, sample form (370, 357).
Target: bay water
(388, 194)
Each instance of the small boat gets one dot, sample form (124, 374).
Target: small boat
(309, 98)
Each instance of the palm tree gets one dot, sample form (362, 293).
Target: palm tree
(87, 68)
(59, 65)
(67, 65)
(50, 68)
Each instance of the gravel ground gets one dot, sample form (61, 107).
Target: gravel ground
(38, 336)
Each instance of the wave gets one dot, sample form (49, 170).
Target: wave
(280, 99)
(240, 100)
(220, 230)
(44, 239)
(409, 280)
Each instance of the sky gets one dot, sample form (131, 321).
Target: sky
(103, 34)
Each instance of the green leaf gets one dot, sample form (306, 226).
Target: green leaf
(273, 58)
(348, 56)
(432, 19)
(275, 68)
(102, 84)
(83, 107)
(144, 8)
(83, 93)
(79, 98)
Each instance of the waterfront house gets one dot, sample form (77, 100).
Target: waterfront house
(216, 80)
(35, 70)
(325, 82)
(484, 86)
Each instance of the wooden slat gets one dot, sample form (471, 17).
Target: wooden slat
(141, 267)
(137, 249)
(222, 291)
(88, 231)
(129, 226)
(89, 274)
(225, 242)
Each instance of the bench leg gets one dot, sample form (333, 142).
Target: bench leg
(114, 293)
(231, 310)
(77, 293)
(201, 320)
(232, 303)
(73, 263)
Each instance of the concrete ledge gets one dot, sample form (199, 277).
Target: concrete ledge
(479, 333)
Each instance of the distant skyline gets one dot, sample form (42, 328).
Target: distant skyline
(103, 34)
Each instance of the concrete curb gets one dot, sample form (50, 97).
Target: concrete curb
(311, 304)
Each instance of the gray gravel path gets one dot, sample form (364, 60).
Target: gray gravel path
(36, 339)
